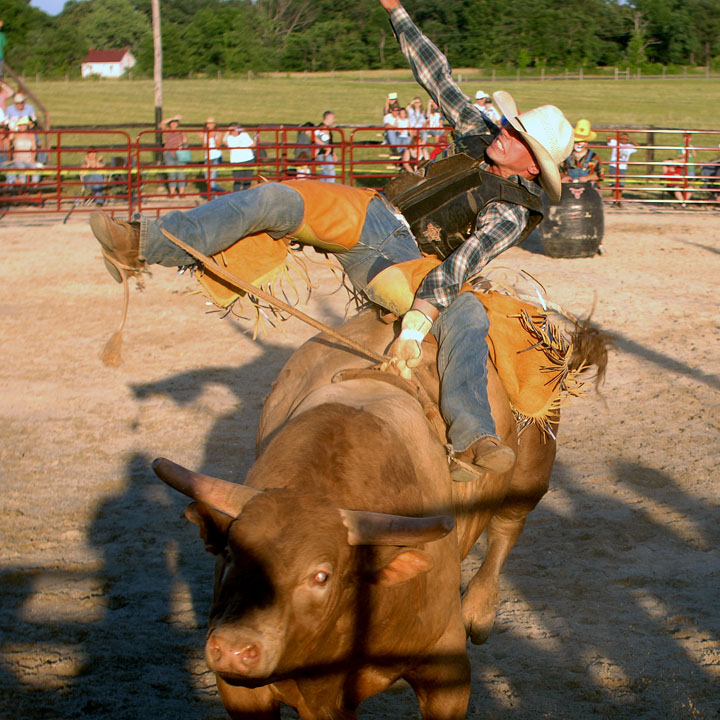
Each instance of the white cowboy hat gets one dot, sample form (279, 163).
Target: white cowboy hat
(479, 95)
(548, 133)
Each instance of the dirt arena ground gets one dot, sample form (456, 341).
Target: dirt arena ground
(610, 603)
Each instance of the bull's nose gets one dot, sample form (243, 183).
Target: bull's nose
(213, 651)
(249, 655)
(223, 656)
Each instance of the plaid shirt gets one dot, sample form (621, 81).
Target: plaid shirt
(499, 224)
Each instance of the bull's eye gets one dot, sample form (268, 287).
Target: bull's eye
(320, 578)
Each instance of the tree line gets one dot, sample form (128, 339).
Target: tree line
(237, 36)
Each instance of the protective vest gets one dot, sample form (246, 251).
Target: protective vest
(442, 207)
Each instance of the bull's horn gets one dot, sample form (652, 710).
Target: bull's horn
(371, 528)
(225, 496)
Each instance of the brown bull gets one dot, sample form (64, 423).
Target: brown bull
(338, 565)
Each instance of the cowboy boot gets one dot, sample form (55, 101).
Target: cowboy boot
(120, 241)
(485, 455)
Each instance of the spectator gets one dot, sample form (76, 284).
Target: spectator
(390, 100)
(323, 138)
(94, 182)
(435, 122)
(20, 109)
(241, 153)
(711, 172)
(3, 43)
(620, 156)
(678, 173)
(485, 104)
(403, 127)
(583, 164)
(414, 153)
(416, 114)
(24, 149)
(211, 139)
(174, 140)
(304, 141)
(390, 123)
(5, 146)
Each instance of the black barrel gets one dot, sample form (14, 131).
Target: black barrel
(574, 227)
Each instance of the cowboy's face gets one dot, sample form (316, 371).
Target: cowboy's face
(509, 153)
(580, 146)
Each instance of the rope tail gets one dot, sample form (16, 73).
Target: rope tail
(111, 354)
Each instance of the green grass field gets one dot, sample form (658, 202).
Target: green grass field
(671, 103)
(357, 99)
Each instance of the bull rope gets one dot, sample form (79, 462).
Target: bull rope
(217, 269)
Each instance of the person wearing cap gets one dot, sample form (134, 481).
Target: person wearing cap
(485, 103)
(19, 109)
(211, 139)
(242, 152)
(174, 140)
(390, 123)
(377, 248)
(622, 149)
(24, 146)
(583, 164)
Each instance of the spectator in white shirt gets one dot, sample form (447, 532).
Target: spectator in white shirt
(485, 103)
(241, 153)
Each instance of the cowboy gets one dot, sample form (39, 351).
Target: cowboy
(377, 248)
(583, 164)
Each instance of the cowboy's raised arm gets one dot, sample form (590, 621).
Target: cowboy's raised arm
(433, 72)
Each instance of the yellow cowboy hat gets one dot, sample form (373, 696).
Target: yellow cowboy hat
(583, 132)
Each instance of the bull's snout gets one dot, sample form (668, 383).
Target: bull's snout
(234, 656)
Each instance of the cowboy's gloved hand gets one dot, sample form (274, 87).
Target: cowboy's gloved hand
(405, 352)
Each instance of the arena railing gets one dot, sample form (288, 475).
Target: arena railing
(51, 179)
(668, 168)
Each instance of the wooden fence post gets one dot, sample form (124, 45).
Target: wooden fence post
(650, 154)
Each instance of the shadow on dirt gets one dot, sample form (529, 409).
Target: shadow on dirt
(623, 596)
(142, 644)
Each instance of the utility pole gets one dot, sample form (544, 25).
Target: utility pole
(157, 71)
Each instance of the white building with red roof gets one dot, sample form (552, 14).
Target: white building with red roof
(107, 63)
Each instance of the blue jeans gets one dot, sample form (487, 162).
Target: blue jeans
(176, 180)
(612, 172)
(277, 210)
(95, 183)
(214, 186)
(242, 178)
(385, 240)
(215, 226)
(396, 140)
(327, 169)
(461, 331)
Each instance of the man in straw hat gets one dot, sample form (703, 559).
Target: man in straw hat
(377, 248)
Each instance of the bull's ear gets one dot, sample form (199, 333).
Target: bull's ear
(404, 566)
(212, 523)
